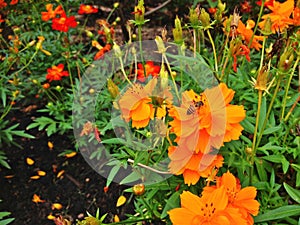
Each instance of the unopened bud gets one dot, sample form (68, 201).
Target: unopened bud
(117, 50)
(262, 79)
(177, 32)
(138, 189)
(286, 60)
(139, 12)
(267, 30)
(30, 44)
(116, 4)
(194, 17)
(160, 45)
(204, 18)
(163, 74)
(221, 6)
(249, 151)
(89, 33)
(112, 88)
(118, 19)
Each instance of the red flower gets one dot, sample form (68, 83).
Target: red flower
(246, 7)
(150, 69)
(267, 3)
(1, 20)
(102, 51)
(56, 73)
(64, 23)
(87, 9)
(243, 50)
(50, 14)
(13, 2)
(2, 4)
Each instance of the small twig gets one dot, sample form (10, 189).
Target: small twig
(148, 167)
(79, 185)
(157, 8)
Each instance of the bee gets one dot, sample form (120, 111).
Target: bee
(192, 108)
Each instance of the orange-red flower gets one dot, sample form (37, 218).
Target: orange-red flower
(50, 14)
(2, 4)
(63, 23)
(136, 104)
(87, 9)
(242, 199)
(210, 209)
(280, 15)
(150, 69)
(267, 3)
(296, 16)
(56, 72)
(1, 20)
(13, 2)
(240, 50)
(246, 7)
(102, 51)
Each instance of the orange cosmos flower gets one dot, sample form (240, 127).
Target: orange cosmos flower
(136, 104)
(239, 50)
(192, 165)
(64, 23)
(210, 209)
(150, 69)
(280, 15)
(211, 123)
(245, 31)
(242, 199)
(87, 9)
(56, 73)
(50, 14)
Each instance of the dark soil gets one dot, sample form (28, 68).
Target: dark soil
(79, 189)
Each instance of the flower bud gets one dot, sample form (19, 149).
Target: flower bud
(262, 79)
(117, 50)
(177, 32)
(112, 88)
(204, 19)
(194, 17)
(163, 77)
(221, 6)
(138, 189)
(286, 60)
(160, 45)
(89, 33)
(30, 44)
(116, 5)
(249, 151)
(139, 12)
(267, 30)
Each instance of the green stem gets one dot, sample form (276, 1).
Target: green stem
(28, 63)
(262, 53)
(7, 109)
(255, 135)
(269, 111)
(214, 50)
(287, 87)
(256, 24)
(123, 71)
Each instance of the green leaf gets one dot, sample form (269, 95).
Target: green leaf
(271, 130)
(134, 176)
(279, 213)
(6, 221)
(171, 203)
(263, 112)
(278, 159)
(4, 214)
(293, 193)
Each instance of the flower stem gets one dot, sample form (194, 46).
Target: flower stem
(256, 24)
(214, 50)
(287, 88)
(255, 135)
(268, 112)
